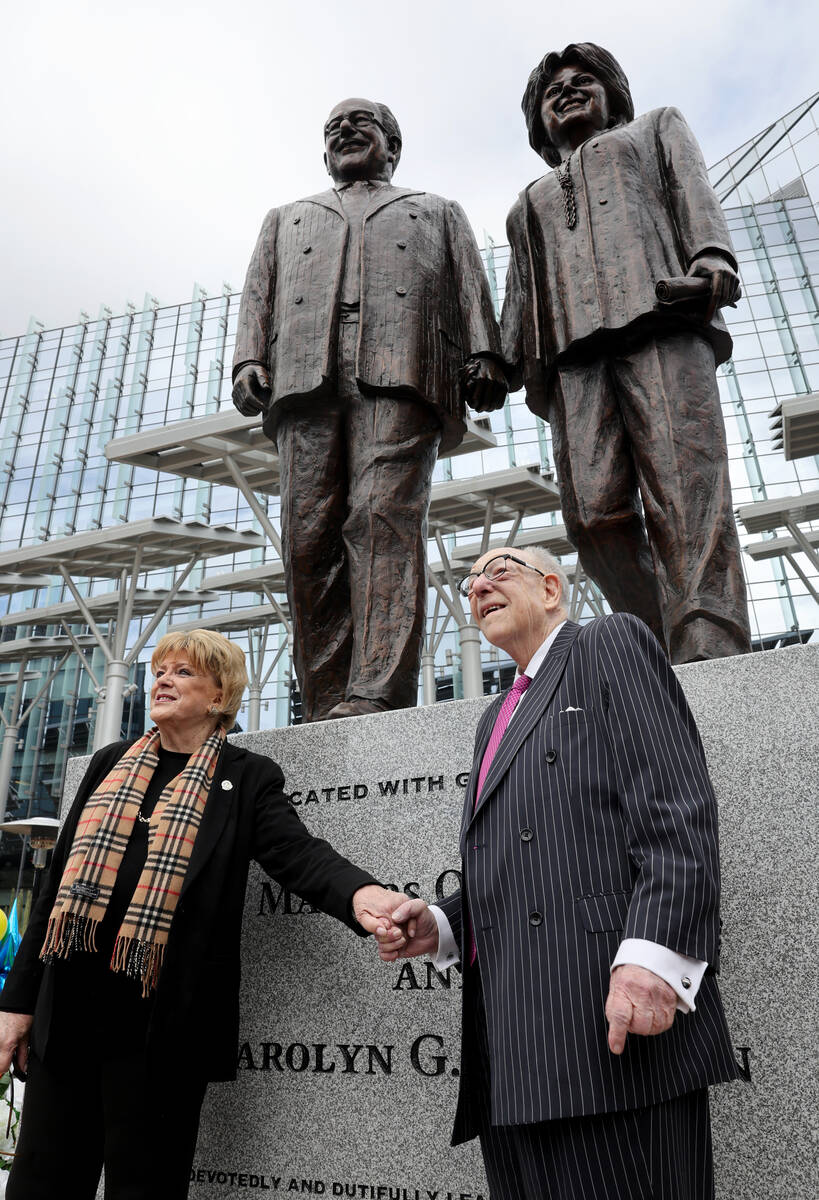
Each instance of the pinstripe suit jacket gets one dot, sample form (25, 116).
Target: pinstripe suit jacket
(592, 826)
(425, 301)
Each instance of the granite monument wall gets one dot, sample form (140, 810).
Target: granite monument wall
(348, 1067)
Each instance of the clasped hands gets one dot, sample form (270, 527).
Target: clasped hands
(639, 1002)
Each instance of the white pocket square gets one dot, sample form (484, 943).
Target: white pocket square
(571, 708)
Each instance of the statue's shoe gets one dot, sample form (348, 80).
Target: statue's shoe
(357, 706)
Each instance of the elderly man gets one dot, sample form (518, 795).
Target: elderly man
(363, 305)
(627, 384)
(588, 919)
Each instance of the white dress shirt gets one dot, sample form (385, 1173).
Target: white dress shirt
(680, 972)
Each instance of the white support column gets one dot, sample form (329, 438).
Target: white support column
(803, 577)
(254, 707)
(469, 637)
(428, 676)
(6, 763)
(109, 722)
(804, 545)
(259, 512)
(12, 727)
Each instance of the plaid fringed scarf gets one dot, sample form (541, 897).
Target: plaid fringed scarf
(102, 834)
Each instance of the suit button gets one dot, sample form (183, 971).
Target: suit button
(550, 756)
(413, 216)
(298, 299)
(526, 835)
(535, 918)
(307, 249)
(602, 201)
(401, 291)
(296, 220)
(401, 245)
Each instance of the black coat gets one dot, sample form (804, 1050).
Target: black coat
(596, 822)
(197, 998)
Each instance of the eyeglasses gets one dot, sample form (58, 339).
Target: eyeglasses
(494, 569)
(358, 120)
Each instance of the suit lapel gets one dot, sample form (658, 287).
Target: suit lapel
(217, 809)
(387, 195)
(532, 708)
(328, 199)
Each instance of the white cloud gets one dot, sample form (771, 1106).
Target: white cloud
(143, 145)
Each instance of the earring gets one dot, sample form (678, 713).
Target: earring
(213, 710)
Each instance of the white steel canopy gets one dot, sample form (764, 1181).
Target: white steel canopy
(500, 495)
(787, 512)
(124, 552)
(205, 447)
(106, 553)
(12, 582)
(795, 426)
(106, 607)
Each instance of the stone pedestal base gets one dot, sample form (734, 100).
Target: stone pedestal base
(349, 1067)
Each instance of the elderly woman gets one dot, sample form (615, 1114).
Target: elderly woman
(127, 979)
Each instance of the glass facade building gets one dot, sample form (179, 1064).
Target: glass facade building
(65, 393)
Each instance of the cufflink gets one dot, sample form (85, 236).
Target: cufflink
(685, 981)
(227, 786)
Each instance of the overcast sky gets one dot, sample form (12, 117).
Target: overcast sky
(144, 142)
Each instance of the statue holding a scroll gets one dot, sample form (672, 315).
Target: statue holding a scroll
(627, 380)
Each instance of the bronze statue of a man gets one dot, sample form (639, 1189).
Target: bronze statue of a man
(627, 384)
(361, 306)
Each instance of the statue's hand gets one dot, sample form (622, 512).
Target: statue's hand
(484, 384)
(725, 287)
(251, 390)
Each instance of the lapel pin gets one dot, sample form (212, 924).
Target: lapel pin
(227, 786)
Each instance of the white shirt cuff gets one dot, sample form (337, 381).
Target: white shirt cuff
(448, 952)
(680, 972)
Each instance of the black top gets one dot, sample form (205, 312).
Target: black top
(99, 1012)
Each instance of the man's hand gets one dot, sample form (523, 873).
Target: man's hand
(421, 931)
(725, 288)
(638, 1002)
(14, 1030)
(374, 908)
(251, 391)
(484, 384)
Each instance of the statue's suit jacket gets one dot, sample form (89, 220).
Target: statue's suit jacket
(425, 301)
(646, 209)
(596, 822)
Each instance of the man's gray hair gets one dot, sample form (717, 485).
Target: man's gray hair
(548, 563)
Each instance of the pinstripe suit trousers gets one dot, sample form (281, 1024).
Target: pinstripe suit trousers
(659, 1152)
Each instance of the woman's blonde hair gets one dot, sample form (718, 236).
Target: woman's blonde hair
(212, 654)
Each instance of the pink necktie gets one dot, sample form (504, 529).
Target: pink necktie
(498, 730)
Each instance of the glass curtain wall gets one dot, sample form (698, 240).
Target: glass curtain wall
(65, 393)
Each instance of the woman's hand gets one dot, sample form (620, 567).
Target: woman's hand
(14, 1031)
(373, 907)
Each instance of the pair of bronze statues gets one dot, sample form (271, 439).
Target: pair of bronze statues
(366, 326)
